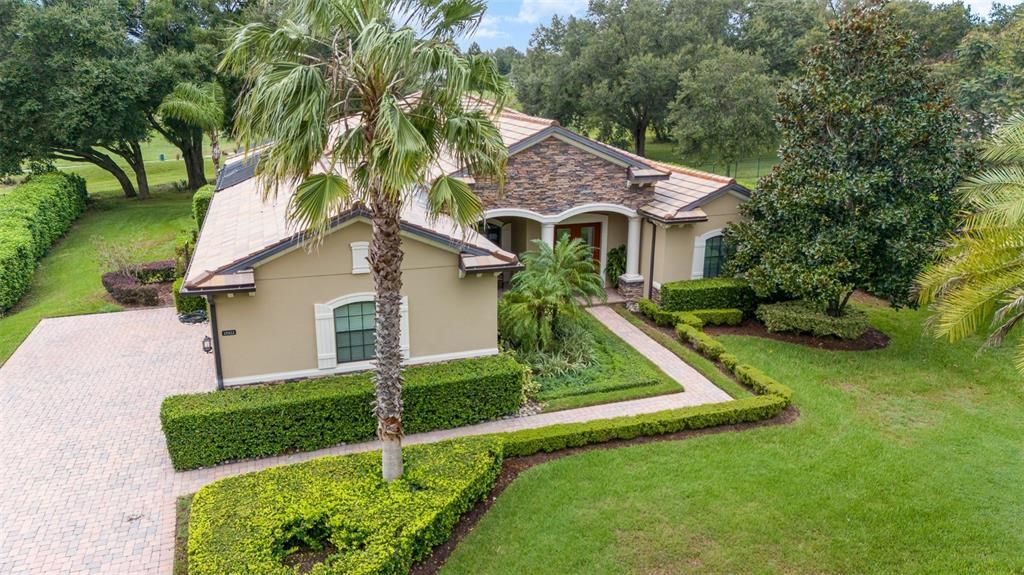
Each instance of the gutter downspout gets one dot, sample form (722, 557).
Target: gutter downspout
(216, 342)
(650, 275)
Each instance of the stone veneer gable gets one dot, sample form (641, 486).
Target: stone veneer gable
(553, 176)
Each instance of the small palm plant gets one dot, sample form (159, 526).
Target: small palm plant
(549, 290)
(363, 109)
(979, 284)
(201, 106)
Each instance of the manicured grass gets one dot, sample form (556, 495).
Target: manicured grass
(903, 460)
(706, 367)
(619, 373)
(746, 171)
(67, 281)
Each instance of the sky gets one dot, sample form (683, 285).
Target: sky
(510, 22)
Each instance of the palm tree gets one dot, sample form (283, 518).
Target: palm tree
(979, 284)
(201, 106)
(555, 279)
(362, 109)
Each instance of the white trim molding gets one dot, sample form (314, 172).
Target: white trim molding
(326, 337)
(557, 218)
(360, 257)
(352, 367)
(699, 243)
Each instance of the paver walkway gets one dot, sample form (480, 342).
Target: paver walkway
(85, 482)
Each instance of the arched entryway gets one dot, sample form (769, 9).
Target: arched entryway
(605, 227)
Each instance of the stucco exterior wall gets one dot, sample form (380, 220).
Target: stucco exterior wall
(675, 249)
(553, 176)
(275, 327)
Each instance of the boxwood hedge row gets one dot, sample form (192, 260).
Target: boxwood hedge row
(32, 217)
(209, 428)
(712, 293)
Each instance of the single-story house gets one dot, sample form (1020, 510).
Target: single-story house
(282, 309)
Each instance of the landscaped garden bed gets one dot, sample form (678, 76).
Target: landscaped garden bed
(330, 512)
(618, 372)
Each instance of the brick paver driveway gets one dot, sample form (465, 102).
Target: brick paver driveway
(85, 481)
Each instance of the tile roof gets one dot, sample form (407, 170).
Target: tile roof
(241, 227)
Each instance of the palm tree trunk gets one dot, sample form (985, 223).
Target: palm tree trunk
(386, 263)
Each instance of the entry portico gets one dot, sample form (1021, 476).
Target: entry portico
(612, 225)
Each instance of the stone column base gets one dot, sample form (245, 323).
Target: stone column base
(631, 288)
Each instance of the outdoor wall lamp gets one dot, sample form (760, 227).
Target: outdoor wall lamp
(208, 344)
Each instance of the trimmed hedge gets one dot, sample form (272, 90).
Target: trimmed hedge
(704, 343)
(666, 318)
(713, 293)
(32, 217)
(802, 317)
(201, 204)
(727, 316)
(250, 523)
(555, 437)
(186, 304)
(209, 428)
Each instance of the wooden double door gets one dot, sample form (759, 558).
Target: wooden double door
(590, 233)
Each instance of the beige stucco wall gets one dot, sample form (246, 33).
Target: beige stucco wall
(275, 326)
(674, 251)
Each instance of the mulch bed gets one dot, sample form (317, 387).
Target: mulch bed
(512, 467)
(873, 339)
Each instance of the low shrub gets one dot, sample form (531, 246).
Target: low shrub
(128, 290)
(251, 523)
(32, 217)
(713, 293)
(803, 317)
(704, 343)
(209, 428)
(666, 318)
(201, 204)
(556, 437)
(186, 304)
(727, 316)
(761, 382)
(155, 272)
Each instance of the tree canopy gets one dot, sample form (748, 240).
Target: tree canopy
(724, 107)
(870, 157)
(72, 87)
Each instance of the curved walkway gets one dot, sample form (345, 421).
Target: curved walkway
(85, 482)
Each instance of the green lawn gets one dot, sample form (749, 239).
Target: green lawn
(903, 460)
(746, 171)
(67, 281)
(618, 373)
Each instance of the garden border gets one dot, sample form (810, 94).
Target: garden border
(771, 406)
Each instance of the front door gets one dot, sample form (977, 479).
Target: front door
(589, 233)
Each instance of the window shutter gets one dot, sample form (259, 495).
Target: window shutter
(326, 354)
(360, 257)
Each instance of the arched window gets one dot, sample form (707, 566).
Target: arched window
(714, 256)
(345, 332)
(354, 331)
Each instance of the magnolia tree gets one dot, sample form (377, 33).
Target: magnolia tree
(870, 157)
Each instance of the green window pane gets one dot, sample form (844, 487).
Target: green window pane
(354, 330)
(714, 256)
